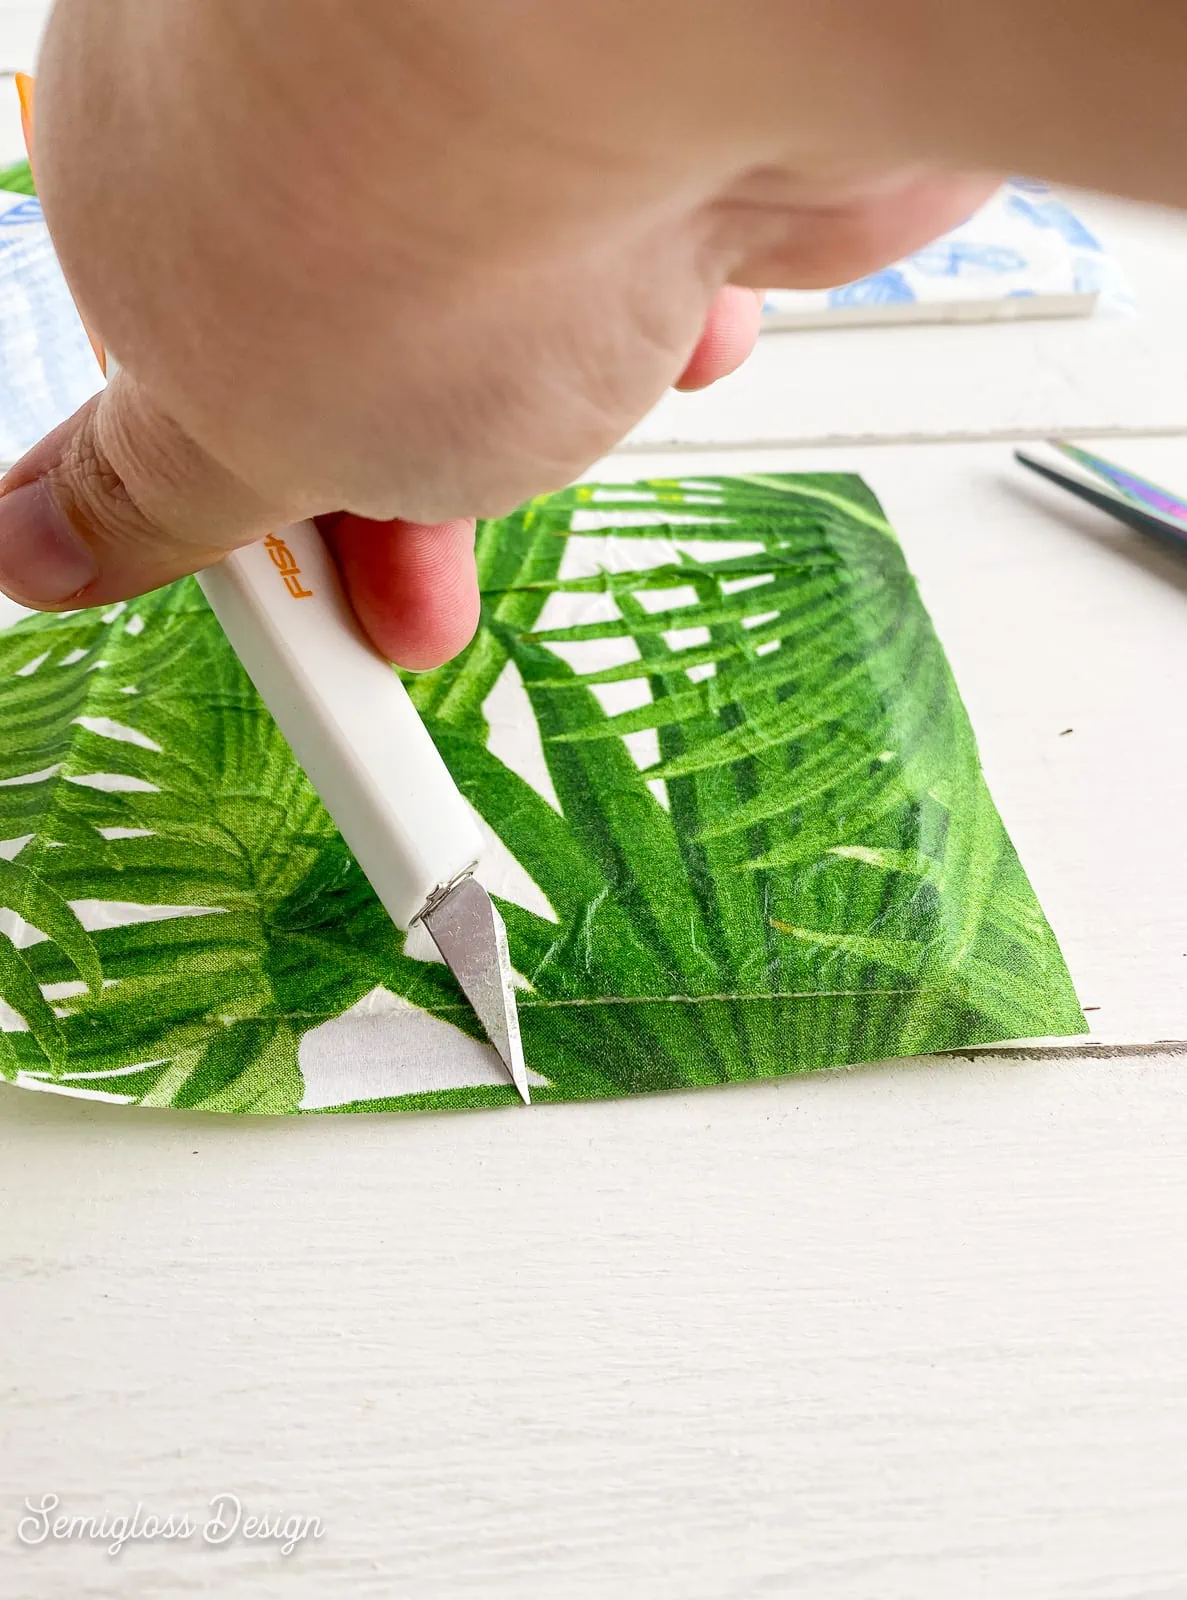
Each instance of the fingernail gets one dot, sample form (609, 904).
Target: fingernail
(42, 560)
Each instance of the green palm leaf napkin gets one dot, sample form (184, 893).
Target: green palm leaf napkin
(17, 179)
(738, 827)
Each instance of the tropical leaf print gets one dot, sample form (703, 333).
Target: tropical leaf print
(17, 179)
(743, 794)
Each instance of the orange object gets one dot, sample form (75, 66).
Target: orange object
(24, 89)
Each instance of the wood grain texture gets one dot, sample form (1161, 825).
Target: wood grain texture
(892, 1333)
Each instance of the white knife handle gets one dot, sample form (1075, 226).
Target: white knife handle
(346, 715)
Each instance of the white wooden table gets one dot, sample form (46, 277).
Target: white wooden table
(908, 1331)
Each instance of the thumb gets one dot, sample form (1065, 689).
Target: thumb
(116, 501)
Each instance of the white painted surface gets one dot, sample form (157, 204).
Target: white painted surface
(890, 1335)
(908, 1332)
(21, 22)
(1098, 375)
(10, 123)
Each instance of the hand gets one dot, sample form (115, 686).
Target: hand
(76, 538)
(396, 270)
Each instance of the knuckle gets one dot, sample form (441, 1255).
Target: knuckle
(131, 475)
(99, 492)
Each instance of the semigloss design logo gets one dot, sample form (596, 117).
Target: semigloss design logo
(225, 1520)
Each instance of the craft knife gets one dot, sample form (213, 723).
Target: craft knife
(353, 728)
(365, 750)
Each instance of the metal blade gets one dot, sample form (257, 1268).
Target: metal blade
(469, 932)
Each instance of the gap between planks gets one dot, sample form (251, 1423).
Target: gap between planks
(632, 446)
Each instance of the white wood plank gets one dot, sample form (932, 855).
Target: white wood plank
(1102, 374)
(12, 146)
(902, 1334)
(21, 25)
